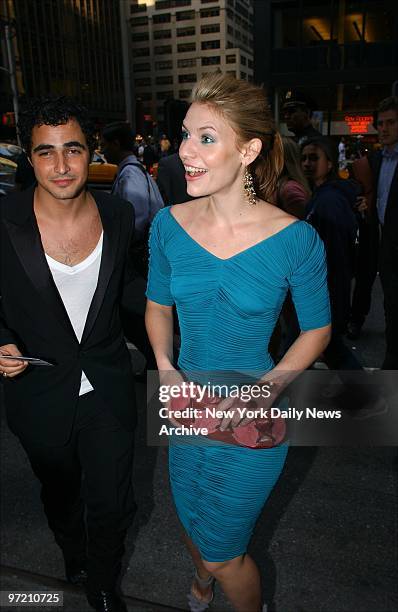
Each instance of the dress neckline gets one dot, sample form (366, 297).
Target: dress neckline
(242, 252)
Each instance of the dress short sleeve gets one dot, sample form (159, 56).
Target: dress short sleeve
(308, 279)
(159, 275)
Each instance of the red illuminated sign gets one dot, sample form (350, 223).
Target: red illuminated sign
(358, 124)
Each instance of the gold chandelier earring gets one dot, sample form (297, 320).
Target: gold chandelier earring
(248, 187)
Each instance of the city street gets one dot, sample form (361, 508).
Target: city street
(326, 541)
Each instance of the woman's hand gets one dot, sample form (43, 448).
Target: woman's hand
(171, 379)
(10, 368)
(254, 406)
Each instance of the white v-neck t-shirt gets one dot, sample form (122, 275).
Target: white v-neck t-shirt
(76, 286)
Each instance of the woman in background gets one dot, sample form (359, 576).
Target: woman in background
(331, 211)
(293, 190)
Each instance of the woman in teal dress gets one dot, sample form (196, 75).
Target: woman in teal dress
(226, 260)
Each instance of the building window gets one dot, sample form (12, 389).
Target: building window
(212, 60)
(243, 75)
(239, 8)
(185, 15)
(137, 8)
(145, 96)
(187, 78)
(142, 67)
(142, 82)
(139, 36)
(207, 1)
(250, 63)
(210, 44)
(230, 30)
(210, 12)
(163, 95)
(189, 31)
(184, 93)
(163, 50)
(141, 52)
(186, 63)
(165, 4)
(210, 28)
(165, 65)
(163, 18)
(243, 60)
(230, 45)
(230, 59)
(185, 47)
(161, 34)
(164, 80)
(139, 21)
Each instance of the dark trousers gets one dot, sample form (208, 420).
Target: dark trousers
(90, 475)
(366, 270)
(389, 281)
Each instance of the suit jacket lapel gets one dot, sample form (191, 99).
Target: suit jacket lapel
(25, 237)
(111, 228)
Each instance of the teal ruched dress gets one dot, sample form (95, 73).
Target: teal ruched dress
(227, 310)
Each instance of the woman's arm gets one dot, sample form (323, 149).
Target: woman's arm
(159, 326)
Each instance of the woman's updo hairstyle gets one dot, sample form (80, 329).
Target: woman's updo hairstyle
(245, 108)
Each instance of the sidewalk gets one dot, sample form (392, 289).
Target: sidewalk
(326, 541)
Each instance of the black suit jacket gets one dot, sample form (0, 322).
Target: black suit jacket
(41, 401)
(389, 235)
(171, 180)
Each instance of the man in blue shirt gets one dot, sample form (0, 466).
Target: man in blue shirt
(379, 178)
(132, 182)
(385, 171)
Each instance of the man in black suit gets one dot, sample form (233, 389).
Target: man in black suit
(65, 277)
(171, 180)
(385, 172)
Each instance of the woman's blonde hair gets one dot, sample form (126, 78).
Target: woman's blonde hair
(292, 169)
(244, 106)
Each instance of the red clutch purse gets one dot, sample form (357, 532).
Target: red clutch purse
(260, 433)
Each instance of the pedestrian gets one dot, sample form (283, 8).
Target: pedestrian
(65, 276)
(227, 259)
(164, 146)
(385, 172)
(150, 156)
(297, 111)
(132, 182)
(342, 154)
(366, 261)
(171, 180)
(293, 191)
(331, 212)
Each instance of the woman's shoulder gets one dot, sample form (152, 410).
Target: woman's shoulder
(274, 218)
(185, 211)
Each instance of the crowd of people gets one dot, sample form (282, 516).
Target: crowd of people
(246, 230)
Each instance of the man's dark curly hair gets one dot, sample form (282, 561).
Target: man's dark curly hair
(53, 111)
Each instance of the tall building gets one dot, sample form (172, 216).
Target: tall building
(175, 42)
(341, 53)
(70, 47)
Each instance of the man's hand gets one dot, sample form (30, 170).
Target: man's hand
(11, 367)
(361, 204)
